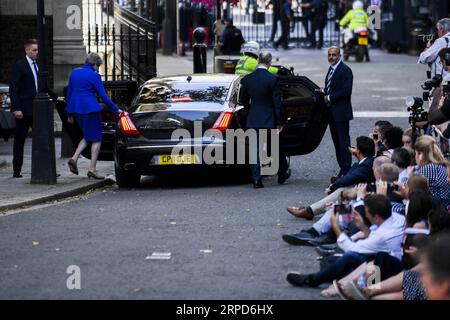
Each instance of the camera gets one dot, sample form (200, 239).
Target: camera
(446, 89)
(372, 187)
(416, 110)
(375, 136)
(428, 38)
(432, 83)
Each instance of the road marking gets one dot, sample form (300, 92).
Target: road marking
(381, 114)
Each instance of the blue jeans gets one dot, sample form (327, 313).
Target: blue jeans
(340, 268)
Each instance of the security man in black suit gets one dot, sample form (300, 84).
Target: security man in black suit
(338, 93)
(23, 88)
(260, 96)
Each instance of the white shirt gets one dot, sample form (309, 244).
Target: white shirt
(262, 67)
(431, 55)
(334, 71)
(385, 238)
(362, 160)
(36, 80)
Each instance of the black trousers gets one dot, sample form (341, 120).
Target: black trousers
(317, 25)
(275, 20)
(284, 38)
(22, 127)
(256, 168)
(340, 133)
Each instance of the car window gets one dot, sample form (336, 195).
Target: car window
(182, 92)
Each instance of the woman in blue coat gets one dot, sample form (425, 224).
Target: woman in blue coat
(85, 84)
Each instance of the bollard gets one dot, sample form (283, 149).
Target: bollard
(199, 50)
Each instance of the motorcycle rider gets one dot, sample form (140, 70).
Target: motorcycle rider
(249, 61)
(355, 19)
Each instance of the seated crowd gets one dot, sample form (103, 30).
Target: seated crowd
(384, 230)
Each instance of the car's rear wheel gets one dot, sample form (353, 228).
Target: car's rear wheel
(127, 179)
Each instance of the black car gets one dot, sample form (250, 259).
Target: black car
(7, 120)
(141, 142)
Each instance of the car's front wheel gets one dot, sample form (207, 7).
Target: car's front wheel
(127, 179)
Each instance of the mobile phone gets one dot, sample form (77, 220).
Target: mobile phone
(344, 210)
(375, 136)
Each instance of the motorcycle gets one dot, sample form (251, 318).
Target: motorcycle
(356, 43)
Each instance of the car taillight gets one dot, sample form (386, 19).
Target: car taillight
(223, 121)
(127, 126)
(363, 33)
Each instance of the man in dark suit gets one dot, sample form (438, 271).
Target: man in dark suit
(338, 93)
(23, 88)
(260, 95)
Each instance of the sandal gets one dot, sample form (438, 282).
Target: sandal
(354, 292)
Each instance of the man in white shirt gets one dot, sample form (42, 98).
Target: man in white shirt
(385, 235)
(431, 55)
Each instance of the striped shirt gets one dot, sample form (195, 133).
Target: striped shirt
(437, 179)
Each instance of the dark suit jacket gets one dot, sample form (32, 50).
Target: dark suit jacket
(22, 88)
(358, 173)
(340, 93)
(260, 96)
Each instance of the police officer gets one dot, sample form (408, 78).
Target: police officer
(430, 55)
(249, 61)
(355, 19)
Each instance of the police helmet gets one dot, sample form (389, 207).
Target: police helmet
(251, 47)
(358, 5)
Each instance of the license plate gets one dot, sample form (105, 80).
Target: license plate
(175, 159)
(363, 41)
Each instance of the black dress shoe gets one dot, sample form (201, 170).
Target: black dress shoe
(323, 239)
(282, 178)
(258, 184)
(17, 175)
(300, 280)
(300, 239)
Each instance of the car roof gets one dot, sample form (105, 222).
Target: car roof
(198, 78)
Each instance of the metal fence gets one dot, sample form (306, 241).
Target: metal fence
(256, 25)
(126, 41)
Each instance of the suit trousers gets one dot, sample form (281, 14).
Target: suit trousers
(341, 268)
(22, 127)
(340, 133)
(284, 38)
(256, 168)
(319, 206)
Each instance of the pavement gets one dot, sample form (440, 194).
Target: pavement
(17, 193)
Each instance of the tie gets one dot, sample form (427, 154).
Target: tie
(330, 75)
(36, 80)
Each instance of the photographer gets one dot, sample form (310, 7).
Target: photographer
(442, 113)
(430, 55)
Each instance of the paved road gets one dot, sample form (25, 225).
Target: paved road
(110, 234)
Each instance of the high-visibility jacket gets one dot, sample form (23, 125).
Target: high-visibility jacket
(356, 18)
(247, 64)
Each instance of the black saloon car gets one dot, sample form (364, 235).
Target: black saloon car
(141, 141)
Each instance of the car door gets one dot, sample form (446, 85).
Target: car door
(306, 115)
(121, 93)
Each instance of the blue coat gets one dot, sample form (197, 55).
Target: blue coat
(340, 93)
(260, 96)
(84, 86)
(359, 173)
